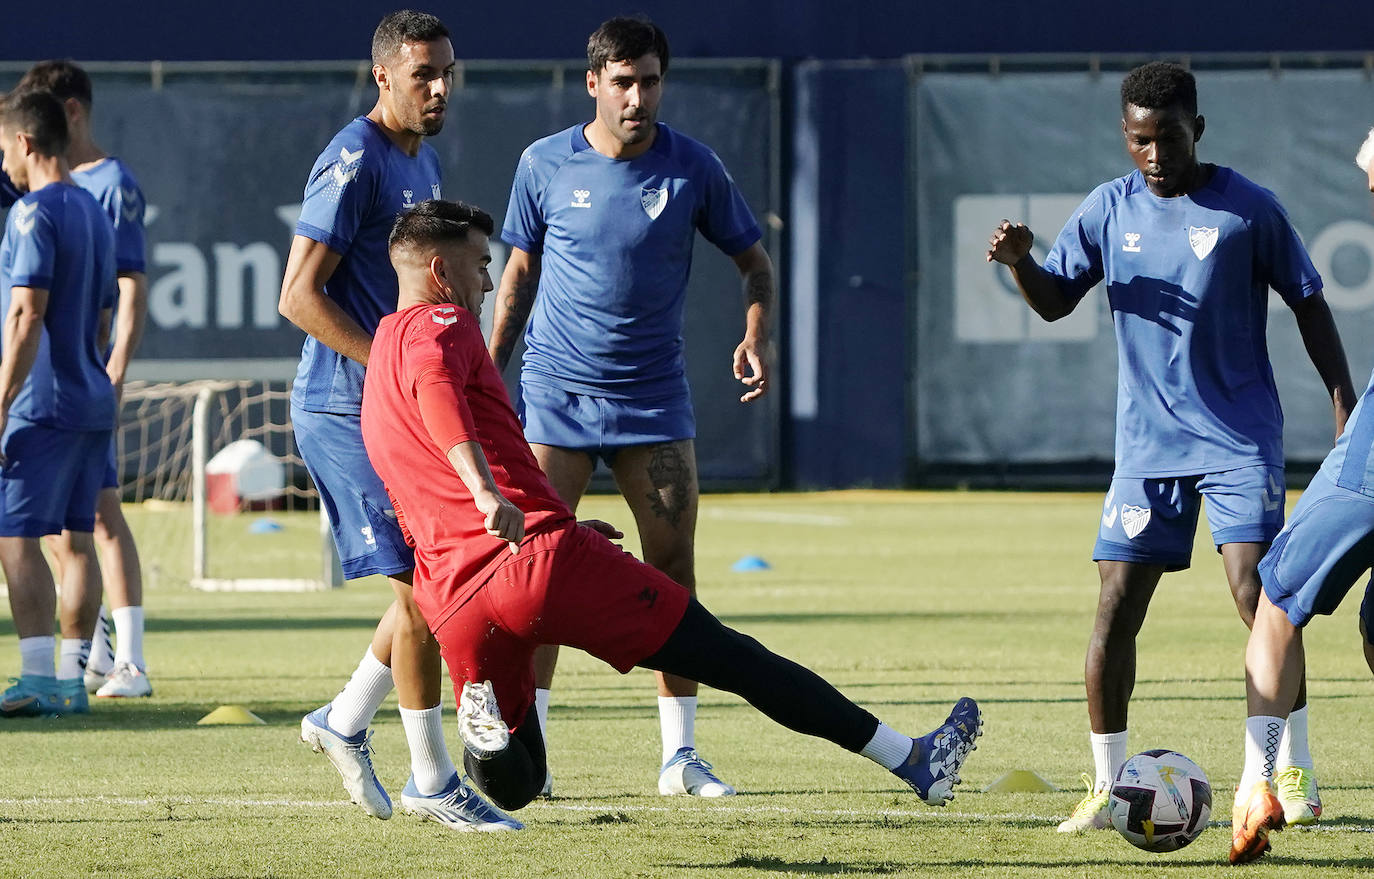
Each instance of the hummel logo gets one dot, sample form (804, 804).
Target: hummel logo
(23, 216)
(1109, 510)
(1132, 244)
(349, 158)
(129, 203)
(1273, 498)
(367, 535)
(648, 595)
(408, 193)
(580, 197)
(444, 315)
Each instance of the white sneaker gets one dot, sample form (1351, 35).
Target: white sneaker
(127, 681)
(1091, 811)
(687, 773)
(94, 679)
(352, 756)
(480, 727)
(457, 807)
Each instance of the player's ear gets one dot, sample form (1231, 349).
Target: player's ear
(381, 77)
(1198, 125)
(591, 83)
(438, 275)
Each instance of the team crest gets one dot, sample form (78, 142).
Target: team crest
(1134, 519)
(444, 315)
(1202, 240)
(23, 216)
(434, 190)
(653, 201)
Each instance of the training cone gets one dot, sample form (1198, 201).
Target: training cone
(264, 526)
(750, 563)
(230, 715)
(1020, 781)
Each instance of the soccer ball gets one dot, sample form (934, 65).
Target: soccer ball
(1161, 801)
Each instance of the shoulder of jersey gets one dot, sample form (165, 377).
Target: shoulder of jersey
(356, 140)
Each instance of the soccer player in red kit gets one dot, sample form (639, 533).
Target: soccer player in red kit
(501, 566)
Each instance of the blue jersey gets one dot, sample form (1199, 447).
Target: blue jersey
(60, 240)
(1350, 464)
(117, 191)
(616, 238)
(359, 184)
(1187, 279)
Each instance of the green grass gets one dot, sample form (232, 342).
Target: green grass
(905, 601)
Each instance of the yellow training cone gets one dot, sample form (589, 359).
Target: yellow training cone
(1020, 781)
(230, 715)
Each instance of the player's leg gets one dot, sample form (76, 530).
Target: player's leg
(102, 659)
(81, 588)
(592, 595)
(123, 576)
(1245, 511)
(1366, 625)
(33, 605)
(369, 541)
(659, 482)
(1146, 529)
(569, 471)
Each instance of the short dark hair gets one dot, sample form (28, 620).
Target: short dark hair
(40, 116)
(1158, 86)
(436, 221)
(404, 26)
(626, 38)
(62, 78)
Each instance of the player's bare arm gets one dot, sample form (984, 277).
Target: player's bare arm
(1323, 345)
(23, 331)
(504, 519)
(1010, 245)
(751, 360)
(519, 283)
(128, 330)
(304, 303)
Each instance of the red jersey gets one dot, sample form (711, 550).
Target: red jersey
(429, 346)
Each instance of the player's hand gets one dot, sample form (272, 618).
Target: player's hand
(605, 529)
(1010, 243)
(751, 368)
(504, 520)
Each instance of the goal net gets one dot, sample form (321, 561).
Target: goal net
(208, 529)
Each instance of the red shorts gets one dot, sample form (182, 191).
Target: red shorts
(571, 587)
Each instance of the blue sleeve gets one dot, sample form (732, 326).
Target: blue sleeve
(127, 213)
(524, 226)
(8, 193)
(724, 217)
(35, 246)
(338, 196)
(1281, 261)
(1076, 258)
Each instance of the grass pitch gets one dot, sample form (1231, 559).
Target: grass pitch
(905, 601)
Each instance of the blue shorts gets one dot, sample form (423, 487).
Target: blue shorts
(366, 532)
(1152, 521)
(601, 426)
(1328, 545)
(111, 479)
(51, 478)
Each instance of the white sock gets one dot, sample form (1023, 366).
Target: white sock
(128, 624)
(1293, 750)
(37, 655)
(430, 762)
(1262, 736)
(357, 703)
(73, 655)
(102, 645)
(677, 721)
(1109, 752)
(541, 710)
(888, 748)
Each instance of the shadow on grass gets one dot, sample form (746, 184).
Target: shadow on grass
(823, 867)
(806, 618)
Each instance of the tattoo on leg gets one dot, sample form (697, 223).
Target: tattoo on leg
(670, 474)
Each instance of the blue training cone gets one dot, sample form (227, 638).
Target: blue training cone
(264, 526)
(750, 563)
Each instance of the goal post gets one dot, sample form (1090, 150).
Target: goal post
(210, 538)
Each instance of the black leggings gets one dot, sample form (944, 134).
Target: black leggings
(701, 649)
